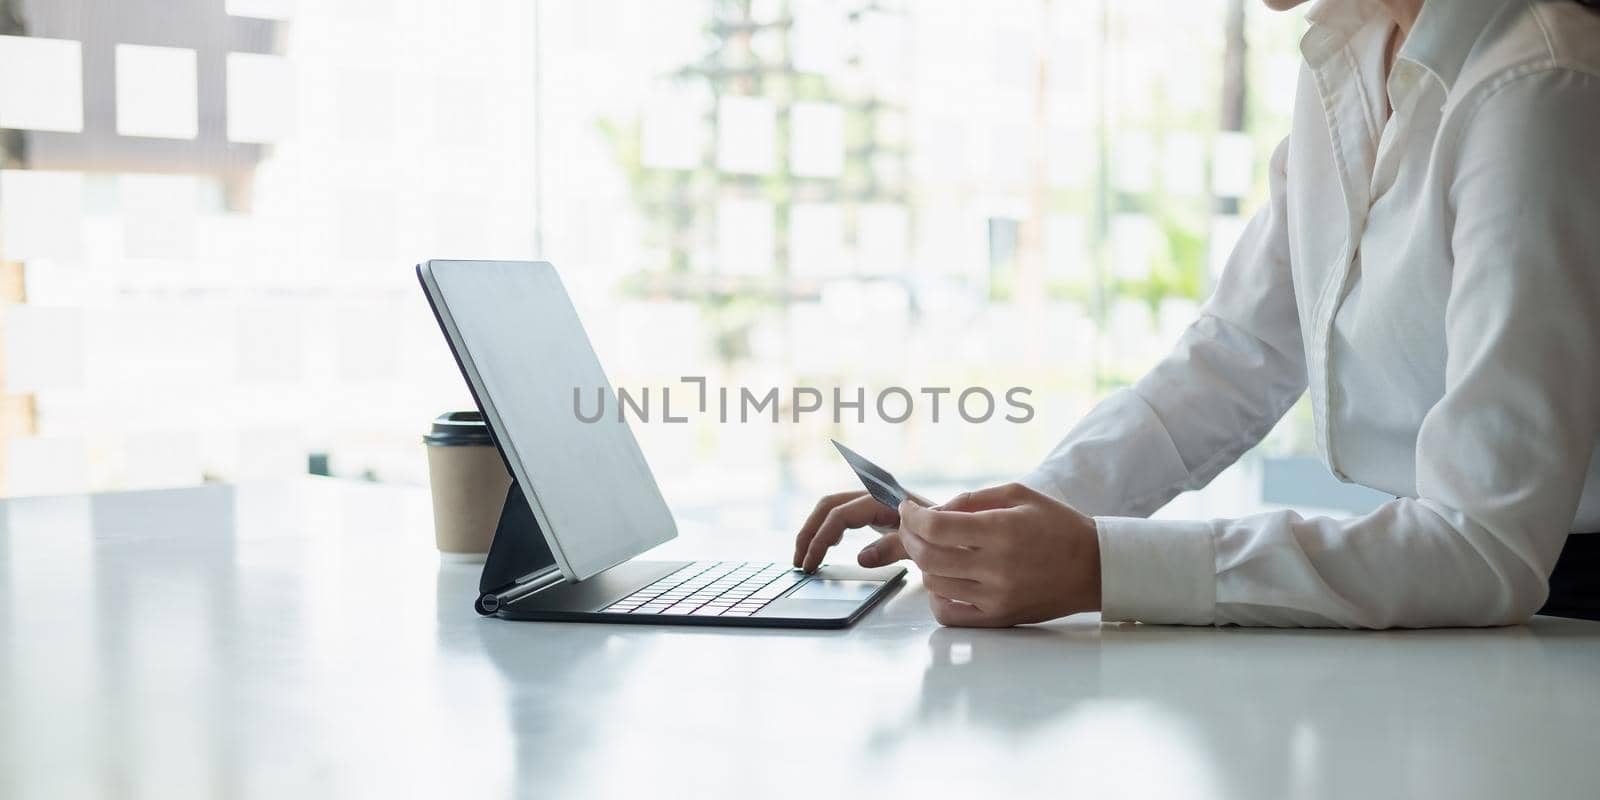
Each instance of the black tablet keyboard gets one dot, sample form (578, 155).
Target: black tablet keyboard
(712, 589)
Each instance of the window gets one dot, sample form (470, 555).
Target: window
(209, 256)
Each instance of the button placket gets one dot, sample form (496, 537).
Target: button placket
(1344, 107)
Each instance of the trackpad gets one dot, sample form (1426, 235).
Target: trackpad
(822, 589)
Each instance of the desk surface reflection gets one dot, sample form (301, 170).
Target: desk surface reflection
(301, 639)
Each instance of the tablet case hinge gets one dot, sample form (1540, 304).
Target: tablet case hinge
(519, 562)
(491, 602)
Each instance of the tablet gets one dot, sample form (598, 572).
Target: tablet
(525, 355)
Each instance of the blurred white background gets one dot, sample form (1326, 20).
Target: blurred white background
(210, 209)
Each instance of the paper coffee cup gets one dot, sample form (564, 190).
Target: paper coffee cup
(469, 482)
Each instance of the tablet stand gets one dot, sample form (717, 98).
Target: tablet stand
(517, 556)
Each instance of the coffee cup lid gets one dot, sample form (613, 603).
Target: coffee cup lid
(458, 429)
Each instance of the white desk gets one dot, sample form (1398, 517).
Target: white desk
(302, 640)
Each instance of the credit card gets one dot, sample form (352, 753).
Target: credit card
(880, 484)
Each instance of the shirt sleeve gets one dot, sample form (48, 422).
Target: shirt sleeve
(1500, 459)
(1231, 376)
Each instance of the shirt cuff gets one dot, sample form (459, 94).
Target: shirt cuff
(1157, 571)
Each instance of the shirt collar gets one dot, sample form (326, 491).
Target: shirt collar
(1439, 42)
(1445, 33)
(1342, 13)
(1333, 24)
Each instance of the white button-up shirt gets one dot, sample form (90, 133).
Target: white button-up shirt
(1432, 278)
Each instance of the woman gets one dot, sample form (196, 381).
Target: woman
(1428, 267)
